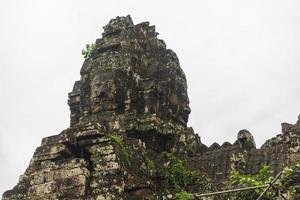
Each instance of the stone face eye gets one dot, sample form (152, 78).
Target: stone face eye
(161, 96)
(102, 95)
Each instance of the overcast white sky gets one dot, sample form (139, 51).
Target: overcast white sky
(241, 59)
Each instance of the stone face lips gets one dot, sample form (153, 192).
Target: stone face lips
(128, 109)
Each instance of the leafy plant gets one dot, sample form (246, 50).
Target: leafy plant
(183, 195)
(289, 181)
(205, 184)
(151, 168)
(118, 140)
(177, 173)
(263, 177)
(89, 51)
(179, 177)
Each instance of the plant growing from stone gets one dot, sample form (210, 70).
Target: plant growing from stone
(290, 179)
(288, 183)
(264, 176)
(89, 51)
(118, 141)
(178, 175)
(183, 195)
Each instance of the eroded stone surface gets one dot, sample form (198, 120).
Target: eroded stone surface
(134, 88)
(219, 161)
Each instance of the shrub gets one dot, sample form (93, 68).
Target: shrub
(177, 173)
(183, 195)
(263, 177)
(290, 180)
(89, 51)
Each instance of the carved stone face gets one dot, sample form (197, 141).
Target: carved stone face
(184, 111)
(166, 98)
(102, 92)
(132, 73)
(180, 101)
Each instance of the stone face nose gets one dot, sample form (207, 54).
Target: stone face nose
(133, 75)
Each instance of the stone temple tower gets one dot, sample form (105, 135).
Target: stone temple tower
(133, 79)
(132, 88)
(129, 112)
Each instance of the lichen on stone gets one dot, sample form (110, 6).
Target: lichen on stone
(129, 110)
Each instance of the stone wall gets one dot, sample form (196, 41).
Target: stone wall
(218, 161)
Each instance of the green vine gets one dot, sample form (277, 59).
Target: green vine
(118, 140)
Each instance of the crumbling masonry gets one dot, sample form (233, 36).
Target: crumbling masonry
(133, 88)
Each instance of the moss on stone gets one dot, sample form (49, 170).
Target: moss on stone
(119, 141)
